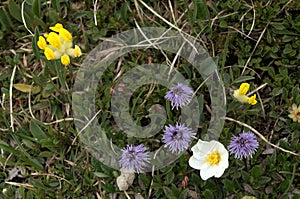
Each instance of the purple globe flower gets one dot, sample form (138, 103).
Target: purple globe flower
(134, 158)
(177, 138)
(243, 146)
(179, 95)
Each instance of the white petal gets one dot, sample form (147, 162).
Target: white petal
(194, 163)
(224, 163)
(206, 173)
(202, 148)
(219, 172)
(204, 165)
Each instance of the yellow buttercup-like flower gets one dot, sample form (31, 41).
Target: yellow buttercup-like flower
(240, 94)
(59, 45)
(295, 113)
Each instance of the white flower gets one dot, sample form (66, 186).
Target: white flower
(211, 158)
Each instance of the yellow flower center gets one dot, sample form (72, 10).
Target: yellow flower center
(244, 88)
(213, 158)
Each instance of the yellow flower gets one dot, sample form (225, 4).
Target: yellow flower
(244, 87)
(77, 51)
(252, 100)
(66, 35)
(54, 40)
(295, 113)
(65, 60)
(57, 27)
(59, 45)
(49, 53)
(42, 43)
(211, 158)
(240, 94)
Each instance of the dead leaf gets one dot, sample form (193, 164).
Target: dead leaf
(25, 88)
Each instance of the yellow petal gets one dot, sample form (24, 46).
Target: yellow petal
(54, 40)
(244, 88)
(65, 34)
(77, 51)
(42, 43)
(57, 27)
(65, 60)
(49, 53)
(252, 100)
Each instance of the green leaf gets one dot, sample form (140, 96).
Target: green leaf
(229, 185)
(184, 194)
(36, 131)
(101, 175)
(201, 11)
(279, 26)
(170, 177)
(55, 4)
(208, 194)
(167, 191)
(36, 7)
(256, 171)
(123, 11)
(109, 187)
(35, 48)
(14, 10)
(6, 147)
(5, 20)
(28, 159)
(243, 79)
(53, 16)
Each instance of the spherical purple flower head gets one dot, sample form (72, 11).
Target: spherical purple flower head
(177, 138)
(134, 158)
(179, 95)
(243, 145)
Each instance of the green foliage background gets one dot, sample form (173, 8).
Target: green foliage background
(43, 142)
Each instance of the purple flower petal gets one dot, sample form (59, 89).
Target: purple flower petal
(179, 95)
(243, 145)
(134, 158)
(177, 138)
